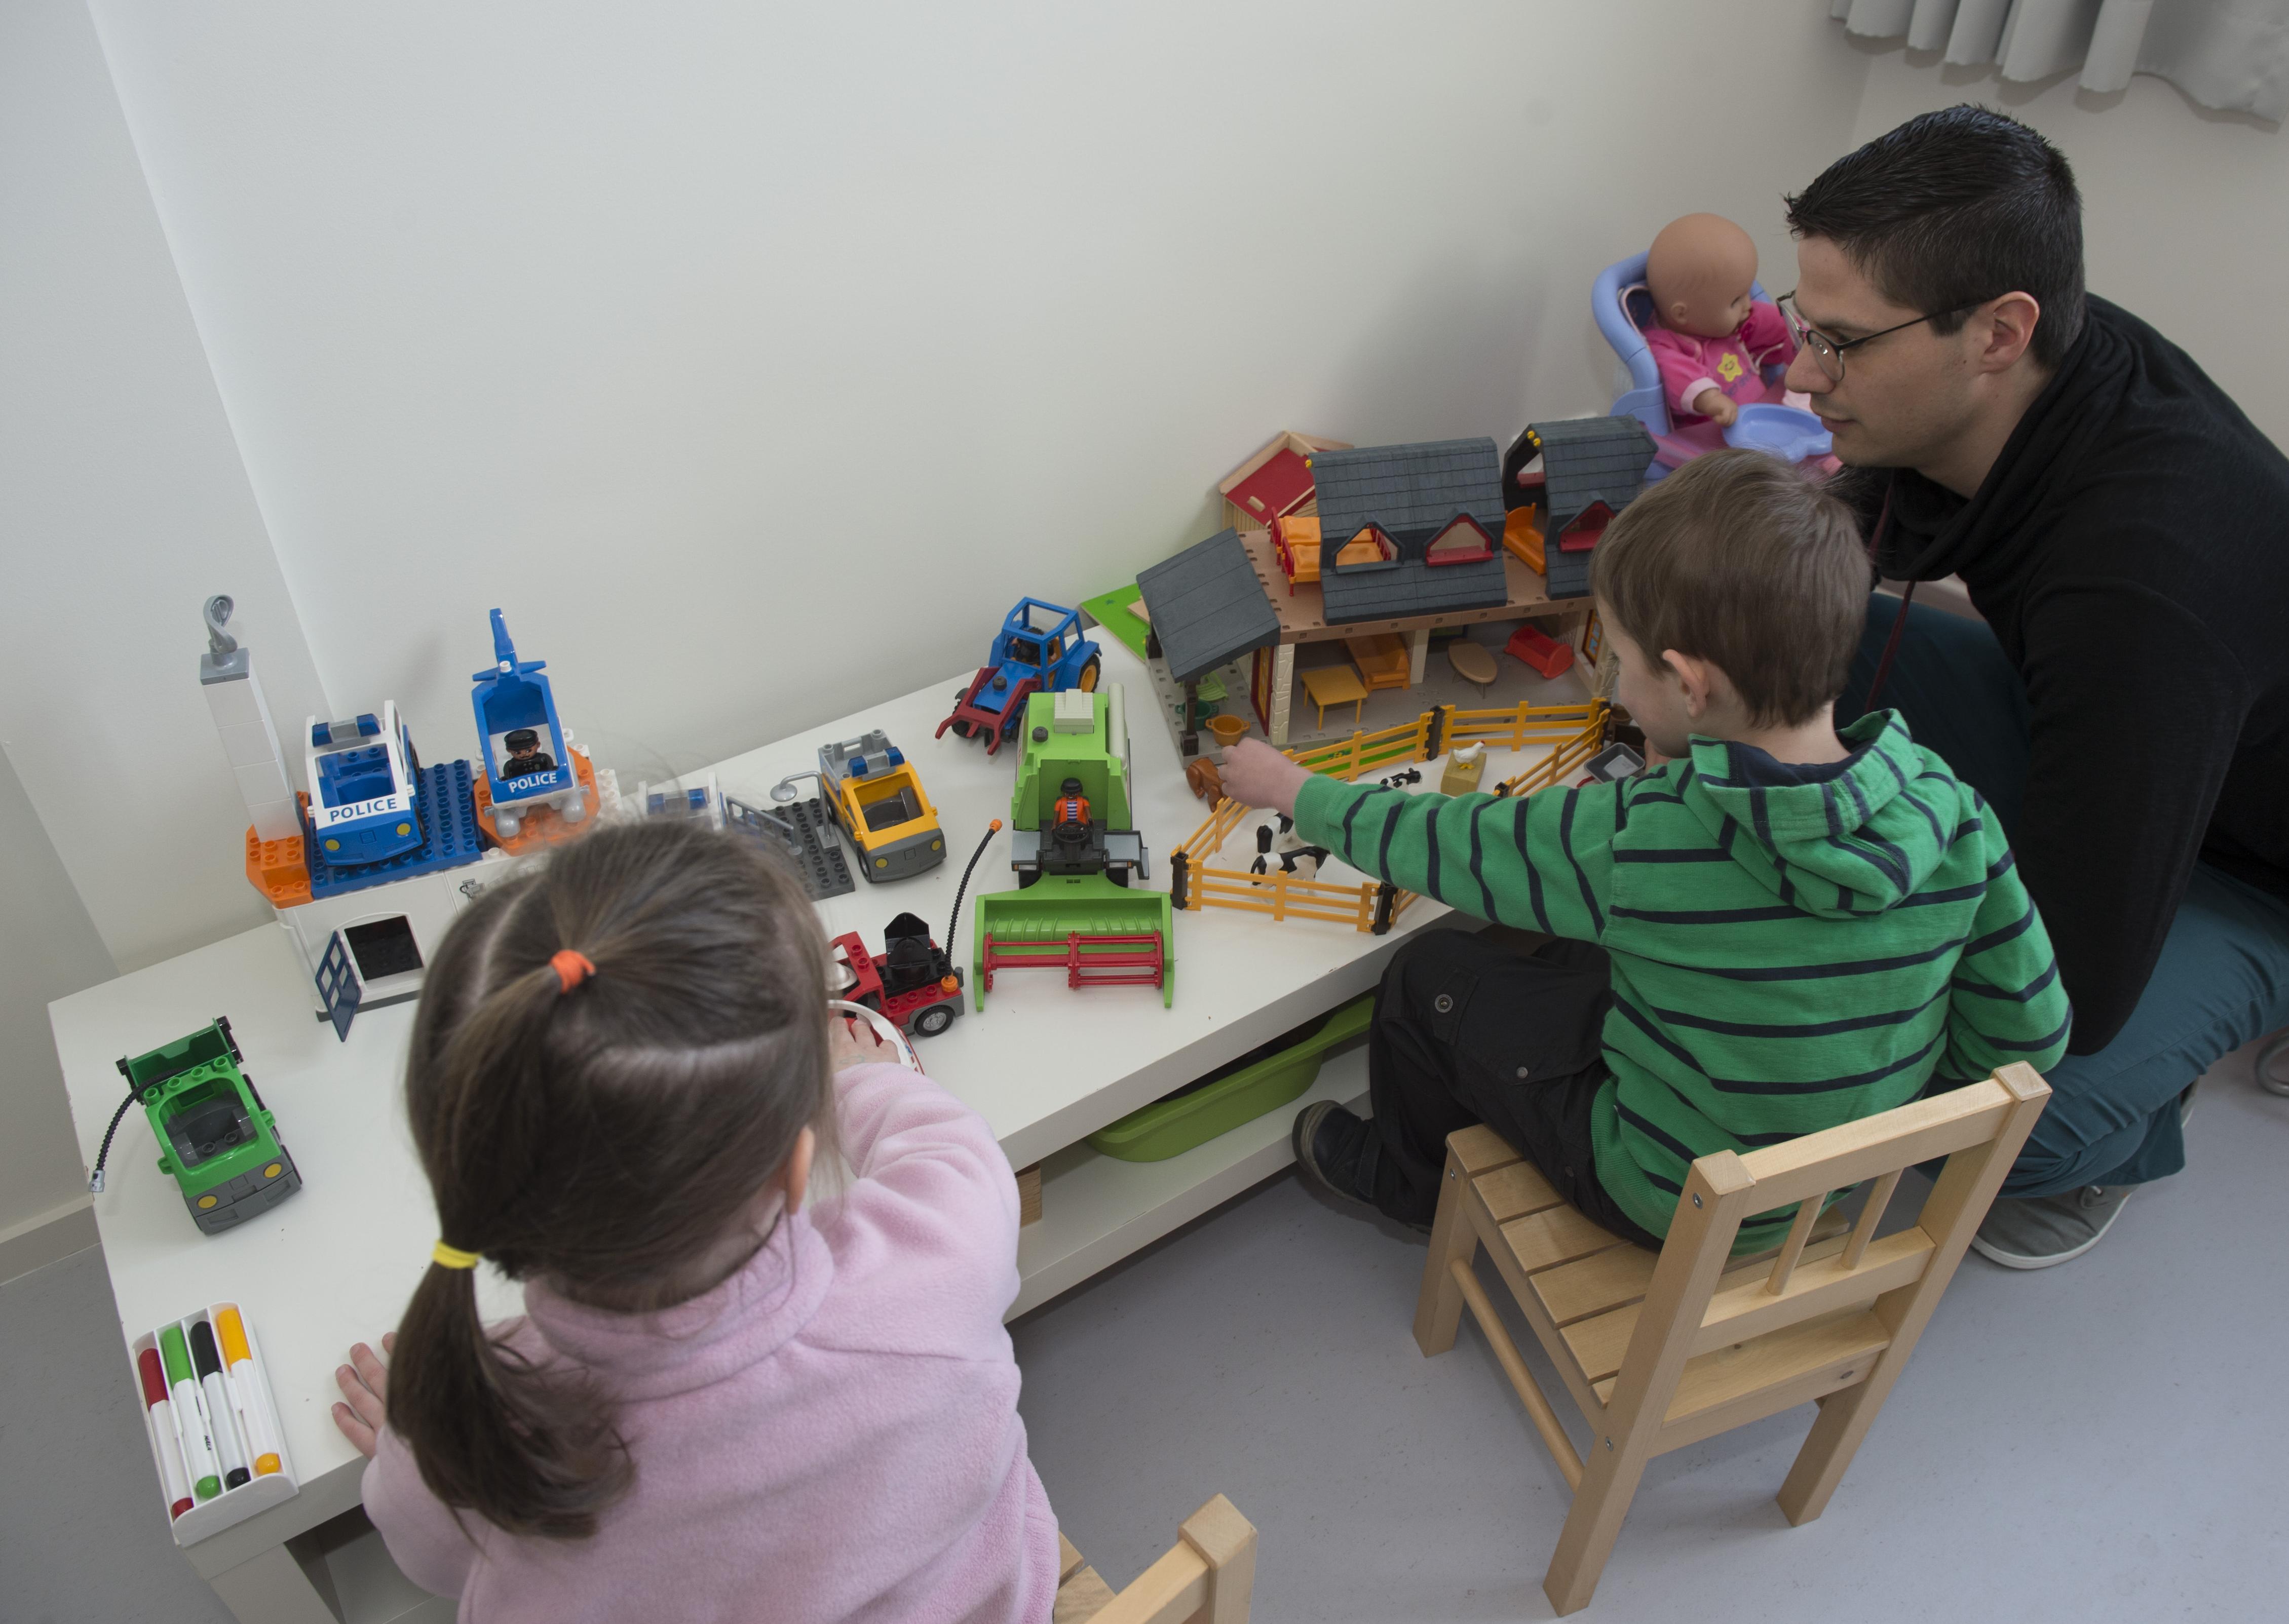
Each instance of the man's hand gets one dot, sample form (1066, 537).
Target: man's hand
(364, 1382)
(1717, 406)
(851, 1042)
(1255, 774)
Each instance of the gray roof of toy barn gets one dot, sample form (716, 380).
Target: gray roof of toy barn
(1208, 606)
(1410, 493)
(1586, 460)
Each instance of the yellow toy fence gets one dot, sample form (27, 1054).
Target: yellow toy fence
(1576, 730)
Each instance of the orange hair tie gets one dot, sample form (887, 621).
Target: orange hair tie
(571, 966)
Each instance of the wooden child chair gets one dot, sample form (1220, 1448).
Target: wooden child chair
(1661, 1351)
(1205, 1577)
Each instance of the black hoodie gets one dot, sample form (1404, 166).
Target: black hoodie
(2130, 548)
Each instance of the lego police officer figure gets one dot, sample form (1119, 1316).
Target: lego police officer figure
(525, 755)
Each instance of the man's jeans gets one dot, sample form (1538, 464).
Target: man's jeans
(2223, 976)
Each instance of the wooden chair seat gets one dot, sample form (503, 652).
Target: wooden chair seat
(1660, 1350)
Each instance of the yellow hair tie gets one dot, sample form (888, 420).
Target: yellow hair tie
(453, 1257)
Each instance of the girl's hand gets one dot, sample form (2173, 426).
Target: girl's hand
(364, 1382)
(851, 1042)
(1255, 774)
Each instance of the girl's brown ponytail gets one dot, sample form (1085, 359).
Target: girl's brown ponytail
(601, 1130)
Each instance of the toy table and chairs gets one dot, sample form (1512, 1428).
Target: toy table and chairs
(1046, 1065)
(1335, 685)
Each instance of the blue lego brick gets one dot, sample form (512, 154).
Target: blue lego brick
(450, 836)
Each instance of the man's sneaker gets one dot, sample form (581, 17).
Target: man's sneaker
(1328, 1141)
(2047, 1229)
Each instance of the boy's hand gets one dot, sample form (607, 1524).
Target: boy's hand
(364, 1382)
(1255, 774)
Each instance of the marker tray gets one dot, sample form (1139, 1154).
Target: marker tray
(258, 1493)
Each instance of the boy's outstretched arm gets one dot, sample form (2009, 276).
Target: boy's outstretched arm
(1547, 857)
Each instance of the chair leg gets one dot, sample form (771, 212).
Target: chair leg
(1609, 1483)
(1844, 1421)
(1440, 1307)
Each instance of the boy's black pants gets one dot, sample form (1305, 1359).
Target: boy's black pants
(1474, 1028)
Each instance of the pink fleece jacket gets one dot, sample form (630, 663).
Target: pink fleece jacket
(830, 1434)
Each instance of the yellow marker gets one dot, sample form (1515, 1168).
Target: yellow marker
(261, 1442)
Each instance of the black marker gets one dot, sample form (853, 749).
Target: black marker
(209, 1365)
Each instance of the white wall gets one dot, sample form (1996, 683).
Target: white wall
(756, 359)
(48, 949)
(2185, 210)
(122, 504)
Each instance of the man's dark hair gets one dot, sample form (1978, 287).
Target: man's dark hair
(1953, 209)
(1737, 560)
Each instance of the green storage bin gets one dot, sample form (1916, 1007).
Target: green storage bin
(1256, 1083)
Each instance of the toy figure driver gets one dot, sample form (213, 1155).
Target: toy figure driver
(1073, 806)
(525, 755)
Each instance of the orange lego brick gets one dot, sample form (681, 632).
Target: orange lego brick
(275, 869)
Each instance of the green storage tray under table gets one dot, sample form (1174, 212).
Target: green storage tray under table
(1254, 1085)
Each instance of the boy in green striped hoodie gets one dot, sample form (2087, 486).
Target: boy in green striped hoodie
(1779, 929)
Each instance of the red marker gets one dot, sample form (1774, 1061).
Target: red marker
(160, 1415)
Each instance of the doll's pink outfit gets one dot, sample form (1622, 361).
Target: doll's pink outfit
(1733, 365)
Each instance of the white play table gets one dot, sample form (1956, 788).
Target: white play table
(1045, 1065)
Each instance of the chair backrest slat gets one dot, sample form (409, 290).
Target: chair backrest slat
(1871, 1216)
(1807, 1213)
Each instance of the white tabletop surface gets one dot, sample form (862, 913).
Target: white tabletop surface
(1044, 1065)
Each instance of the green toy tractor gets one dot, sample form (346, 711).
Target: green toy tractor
(1076, 854)
(215, 1138)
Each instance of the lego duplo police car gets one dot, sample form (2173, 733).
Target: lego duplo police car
(359, 865)
(1040, 649)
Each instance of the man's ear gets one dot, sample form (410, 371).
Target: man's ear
(2002, 329)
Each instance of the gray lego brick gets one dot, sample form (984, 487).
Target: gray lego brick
(798, 834)
(1206, 606)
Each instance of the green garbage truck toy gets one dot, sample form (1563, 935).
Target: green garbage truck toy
(216, 1140)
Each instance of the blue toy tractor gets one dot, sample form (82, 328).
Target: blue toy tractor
(1039, 650)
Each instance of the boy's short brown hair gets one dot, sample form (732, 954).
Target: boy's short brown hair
(1738, 559)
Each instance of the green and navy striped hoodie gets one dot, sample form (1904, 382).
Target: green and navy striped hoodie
(1793, 947)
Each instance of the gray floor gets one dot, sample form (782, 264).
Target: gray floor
(2103, 1440)
(2097, 1442)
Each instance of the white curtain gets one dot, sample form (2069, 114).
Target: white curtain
(2230, 54)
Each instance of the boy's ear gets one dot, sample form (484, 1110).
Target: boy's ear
(1697, 677)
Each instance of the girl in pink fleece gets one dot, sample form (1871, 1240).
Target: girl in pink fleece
(720, 1403)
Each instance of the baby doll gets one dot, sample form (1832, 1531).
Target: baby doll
(1714, 340)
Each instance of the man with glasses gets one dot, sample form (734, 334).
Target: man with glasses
(2124, 529)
